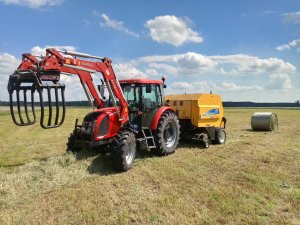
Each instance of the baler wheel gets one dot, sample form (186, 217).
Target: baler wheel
(220, 136)
(167, 134)
(124, 151)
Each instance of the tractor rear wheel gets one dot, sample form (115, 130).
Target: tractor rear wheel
(167, 134)
(71, 145)
(220, 136)
(124, 151)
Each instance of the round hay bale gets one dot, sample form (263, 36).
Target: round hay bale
(264, 121)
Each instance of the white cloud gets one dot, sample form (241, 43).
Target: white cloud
(182, 85)
(127, 71)
(206, 87)
(237, 88)
(117, 25)
(244, 64)
(172, 30)
(73, 90)
(290, 45)
(8, 64)
(279, 82)
(192, 63)
(193, 87)
(164, 68)
(283, 47)
(33, 3)
(37, 50)
(268, 12)
(292, 17)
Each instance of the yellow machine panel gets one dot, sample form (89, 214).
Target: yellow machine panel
(204, 110)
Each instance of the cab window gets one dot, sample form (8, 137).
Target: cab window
(151, 96)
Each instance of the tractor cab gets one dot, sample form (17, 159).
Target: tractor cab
(144, 98)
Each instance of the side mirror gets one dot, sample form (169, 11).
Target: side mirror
(164, 86)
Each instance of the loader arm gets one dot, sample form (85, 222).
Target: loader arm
(50, 67)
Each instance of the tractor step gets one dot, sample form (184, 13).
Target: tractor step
(147, 140)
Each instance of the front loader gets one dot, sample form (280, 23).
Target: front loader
(134, 116)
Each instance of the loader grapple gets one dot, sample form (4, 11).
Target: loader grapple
(28, 89)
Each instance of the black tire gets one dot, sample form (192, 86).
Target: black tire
(220, 136)
(71, 145)
(167, 134)
(124, 151)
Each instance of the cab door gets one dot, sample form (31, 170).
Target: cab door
(132, 95)
(151, 97)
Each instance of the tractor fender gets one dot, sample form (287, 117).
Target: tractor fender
(158, 115)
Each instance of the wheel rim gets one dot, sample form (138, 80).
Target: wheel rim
(130, 153)
(170, 134)
(222, 136)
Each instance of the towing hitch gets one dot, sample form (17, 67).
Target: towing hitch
(27, 87)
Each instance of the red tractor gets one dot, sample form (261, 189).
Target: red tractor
(134, 116)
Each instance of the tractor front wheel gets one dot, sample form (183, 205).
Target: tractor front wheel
(167, 134)
(124, 151)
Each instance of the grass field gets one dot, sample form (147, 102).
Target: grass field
(253, 179)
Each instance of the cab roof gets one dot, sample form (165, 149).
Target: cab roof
(140, 81)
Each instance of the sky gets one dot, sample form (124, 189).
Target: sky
(243, 50)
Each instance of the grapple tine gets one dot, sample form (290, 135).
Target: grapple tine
(62, 87)
(57, 106)
(15, 86)
(12, 112)
(25, 106)
(42, 109)
(56, 123)
(32, 105)
(19, 107)
(50, 106)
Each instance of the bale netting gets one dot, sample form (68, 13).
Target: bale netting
(264, 121)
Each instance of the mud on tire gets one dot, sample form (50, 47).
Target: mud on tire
(124, 151)
(167, 134)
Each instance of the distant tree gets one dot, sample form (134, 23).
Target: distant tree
(297, 103)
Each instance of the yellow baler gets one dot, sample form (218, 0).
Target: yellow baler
(201, 116)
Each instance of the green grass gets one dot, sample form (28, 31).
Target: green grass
(253, 179)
